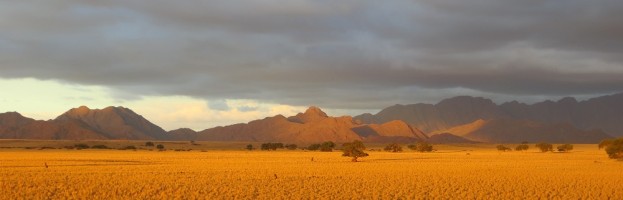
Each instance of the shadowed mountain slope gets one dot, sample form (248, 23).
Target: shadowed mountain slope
(516, 131)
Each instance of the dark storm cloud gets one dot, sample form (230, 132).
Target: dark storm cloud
(340, 54)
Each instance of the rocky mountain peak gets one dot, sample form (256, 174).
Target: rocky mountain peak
(312, 114)
(313, 110)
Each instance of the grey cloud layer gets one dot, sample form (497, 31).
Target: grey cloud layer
(340, 54)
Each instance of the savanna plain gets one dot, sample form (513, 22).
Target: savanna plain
(227, 171)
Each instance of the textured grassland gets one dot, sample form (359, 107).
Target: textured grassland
(585, 173)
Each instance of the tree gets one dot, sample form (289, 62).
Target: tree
(149, 144)
(354, 149)
(522, 147)
(421, 146)
(327, 146)
(160, 147)
(249, 147)
(545, 147)
(393, 147)
(565, 147)
(502, 148)
(291, 146)
(313, 147)
(615, 149)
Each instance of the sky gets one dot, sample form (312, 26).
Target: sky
(205, 63)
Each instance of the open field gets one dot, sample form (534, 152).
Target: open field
(453, 172)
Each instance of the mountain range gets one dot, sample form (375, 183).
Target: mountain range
(602, 114)
(309, 127)
(460, 119)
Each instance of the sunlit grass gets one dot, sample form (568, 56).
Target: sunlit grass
(485, 173)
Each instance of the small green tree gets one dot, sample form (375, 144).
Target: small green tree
(354, 149)
(149, 144)
(393, 147)
(522, 147)
(249, 147)
(615, 149)
(545, 147)
(502, 148)
(160, 147)
(565, 147)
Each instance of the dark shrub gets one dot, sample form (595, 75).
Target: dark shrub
(327, 146)
(545, 147)
(522, 147)
(313, 147)
(101, 146)
(291, 146)
(565, 147)
(81, 146)
(393, 147)
(615, 149)
(422, 146)
(502, 148)
(128, 148)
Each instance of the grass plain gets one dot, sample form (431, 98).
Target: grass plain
(452, 172)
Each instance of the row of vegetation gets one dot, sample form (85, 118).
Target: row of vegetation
(613, 147)
(543, 147)
(81, 146)
(355, 149)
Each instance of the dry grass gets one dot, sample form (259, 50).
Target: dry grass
(585, 173)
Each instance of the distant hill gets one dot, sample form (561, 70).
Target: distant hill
(312, 126)
(604, 113)
(182, 134)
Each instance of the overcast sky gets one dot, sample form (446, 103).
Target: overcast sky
(228, 61)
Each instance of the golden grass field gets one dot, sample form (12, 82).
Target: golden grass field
(449, 173)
